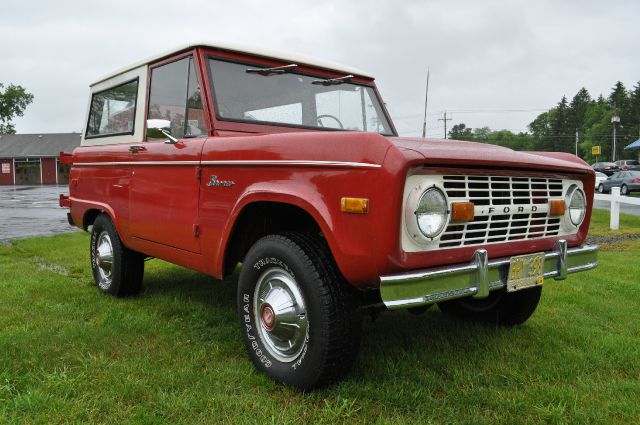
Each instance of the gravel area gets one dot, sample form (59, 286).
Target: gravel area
(613, 242)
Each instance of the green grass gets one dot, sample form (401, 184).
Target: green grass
(174, 354)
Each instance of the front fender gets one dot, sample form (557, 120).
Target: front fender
(346, 234)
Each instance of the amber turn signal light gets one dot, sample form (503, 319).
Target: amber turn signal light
(462, 212)
(557, 207)
(354, 205)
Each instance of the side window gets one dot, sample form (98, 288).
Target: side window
(113, 111)
(175, 103)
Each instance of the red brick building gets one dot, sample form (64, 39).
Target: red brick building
(31, 159)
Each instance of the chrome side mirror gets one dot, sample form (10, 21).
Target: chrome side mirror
(159, 129)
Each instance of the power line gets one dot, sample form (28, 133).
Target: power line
(472, 111)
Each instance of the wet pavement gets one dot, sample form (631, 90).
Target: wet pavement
(27, 211)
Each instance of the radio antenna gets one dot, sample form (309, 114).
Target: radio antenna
(426, 101)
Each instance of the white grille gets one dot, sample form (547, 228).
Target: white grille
(492, 195)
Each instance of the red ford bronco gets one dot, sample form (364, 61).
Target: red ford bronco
(212, 155)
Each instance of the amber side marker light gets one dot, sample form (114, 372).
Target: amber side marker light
(462, 212)
(557, 207)
(354, 205)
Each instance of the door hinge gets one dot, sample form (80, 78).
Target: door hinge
(199, 172)
(196, 230)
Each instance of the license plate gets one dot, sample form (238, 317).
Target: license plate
(525, 271)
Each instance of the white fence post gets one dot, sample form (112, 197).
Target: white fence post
(615, 208)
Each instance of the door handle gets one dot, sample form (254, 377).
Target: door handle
(135, 149)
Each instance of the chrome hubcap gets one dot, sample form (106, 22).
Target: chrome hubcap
(104, 259)
(279, 307)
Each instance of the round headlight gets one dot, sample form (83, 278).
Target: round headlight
(431, 213)
(577, 205)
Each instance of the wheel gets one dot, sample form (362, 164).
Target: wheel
(297, 313)
(117, 270)
(601, 188)
(500, 307)
(624, 190)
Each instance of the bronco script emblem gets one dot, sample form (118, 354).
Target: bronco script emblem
(213, 181)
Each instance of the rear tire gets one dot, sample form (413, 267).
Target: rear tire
(500, 308)
(117, 270)
(313, 340)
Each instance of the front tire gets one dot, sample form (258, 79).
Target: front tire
(624, 190)
(117, 270)
(297, 313)
(600, 188)
(499, 308)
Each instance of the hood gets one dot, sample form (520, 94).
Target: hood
(456, 152)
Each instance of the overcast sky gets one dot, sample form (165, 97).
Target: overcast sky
(487, 58)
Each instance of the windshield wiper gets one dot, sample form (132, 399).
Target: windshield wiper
(333, 81)
(267, 72)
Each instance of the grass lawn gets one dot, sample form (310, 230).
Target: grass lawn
(174, 354)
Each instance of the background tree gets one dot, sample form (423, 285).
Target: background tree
(13, 101)
(578, 109)
(555, 129)
(460, 132)
(634, 107)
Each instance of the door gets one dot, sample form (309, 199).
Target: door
(615, 180)
(165, 179)
(28, 171)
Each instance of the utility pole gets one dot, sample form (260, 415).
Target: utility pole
(426, 99)
(614, 120)
(445, 119)
(577, 140)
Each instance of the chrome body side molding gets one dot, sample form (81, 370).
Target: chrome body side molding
(274, 163)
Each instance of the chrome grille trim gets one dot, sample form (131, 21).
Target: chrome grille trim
(495, 192)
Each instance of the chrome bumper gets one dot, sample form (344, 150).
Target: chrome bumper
(478, 278)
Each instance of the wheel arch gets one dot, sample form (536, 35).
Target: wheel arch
(259, 215)
(92, 211)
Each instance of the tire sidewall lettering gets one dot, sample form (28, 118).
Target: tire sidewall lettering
(272, 261)
(251, 322)
(249, 330)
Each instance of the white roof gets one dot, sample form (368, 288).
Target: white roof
(289, 57)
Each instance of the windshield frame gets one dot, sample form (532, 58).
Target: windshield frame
(307, 72)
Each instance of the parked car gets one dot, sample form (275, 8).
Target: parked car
(627, 181)
(628, 164)
(208, 156)
(607, 168)
(600, 177)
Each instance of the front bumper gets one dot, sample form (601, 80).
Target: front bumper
(477, 278)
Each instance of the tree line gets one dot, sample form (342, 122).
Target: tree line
(555, 129)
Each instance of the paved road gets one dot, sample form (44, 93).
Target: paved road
(624, 208)
(27, 211)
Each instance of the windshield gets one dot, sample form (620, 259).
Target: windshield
(293, 99)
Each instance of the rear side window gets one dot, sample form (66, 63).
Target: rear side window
(113, 111)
